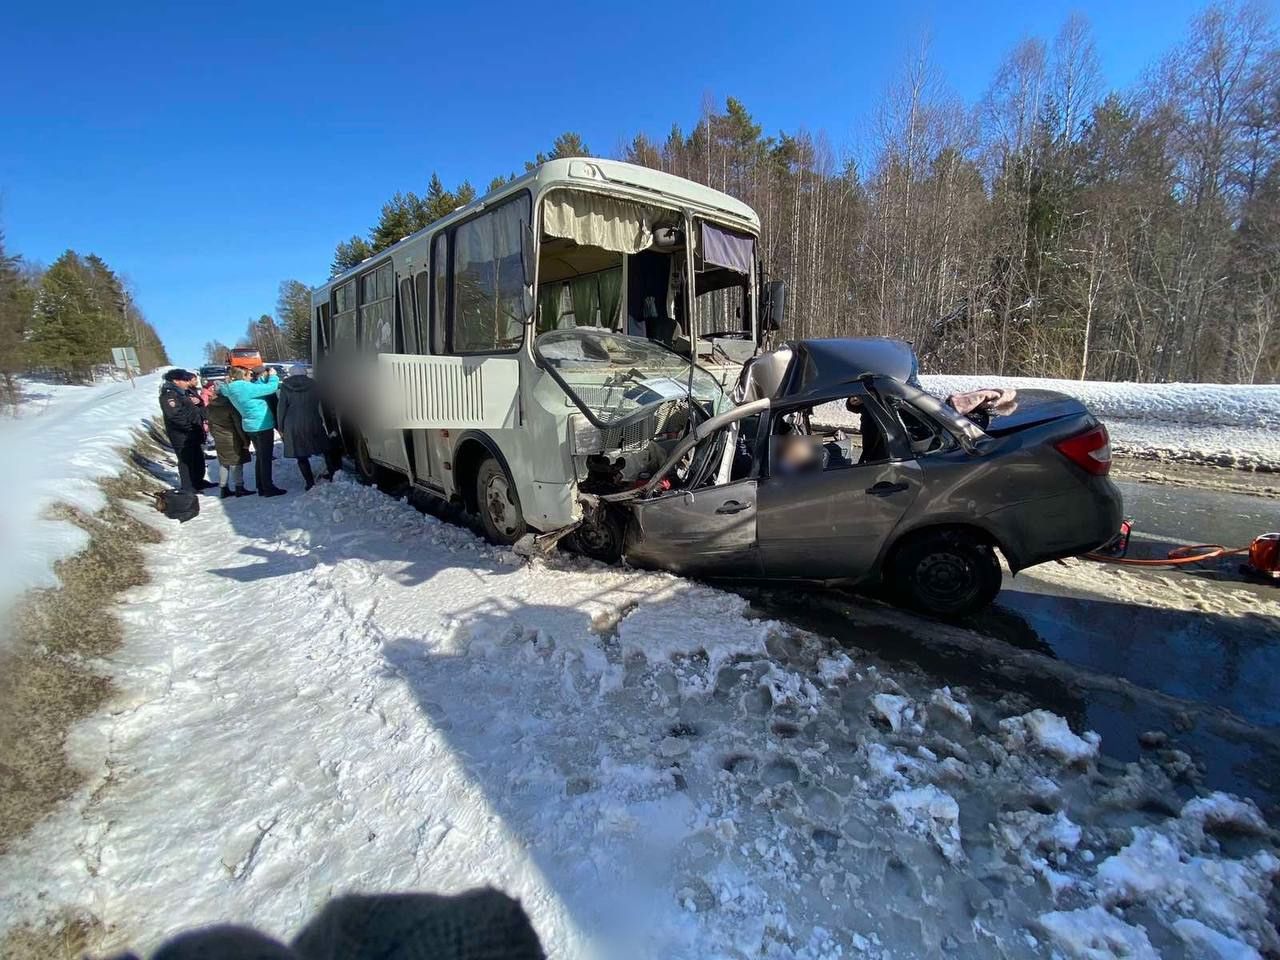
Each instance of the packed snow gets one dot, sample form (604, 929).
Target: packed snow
(334, 692)
(1231, 425)
(1235, 425)
(60, 440)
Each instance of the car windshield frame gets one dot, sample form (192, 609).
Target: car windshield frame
(642, 373)
(212, 370)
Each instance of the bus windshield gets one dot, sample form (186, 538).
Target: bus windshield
(615, 376)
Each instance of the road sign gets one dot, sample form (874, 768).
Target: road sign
(126, 359)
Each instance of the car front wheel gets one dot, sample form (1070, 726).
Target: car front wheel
(945, 573)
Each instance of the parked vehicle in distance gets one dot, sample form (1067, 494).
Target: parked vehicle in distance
(212, 373)
(917, 497)
(247, 357)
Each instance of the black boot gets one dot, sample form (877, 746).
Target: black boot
(227, 493)
(272, 492)
(242, 492)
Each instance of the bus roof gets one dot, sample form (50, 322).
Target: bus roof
(583, 172)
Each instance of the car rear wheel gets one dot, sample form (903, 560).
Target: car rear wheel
(499, 505)
(945, 573)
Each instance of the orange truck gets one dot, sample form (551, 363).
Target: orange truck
(246, 357)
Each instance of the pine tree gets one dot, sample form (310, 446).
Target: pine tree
(350, 253)
(293, 307)
(402, 215)
(66, 332)
(568, 144)
(15, 314)
(439, 202)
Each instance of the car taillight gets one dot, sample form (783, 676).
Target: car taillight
(1091, 450)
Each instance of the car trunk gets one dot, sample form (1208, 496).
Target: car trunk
(1034, 407)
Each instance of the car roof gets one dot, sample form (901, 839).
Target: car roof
(818, 366)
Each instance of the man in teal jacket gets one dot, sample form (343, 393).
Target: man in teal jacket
(249, 399)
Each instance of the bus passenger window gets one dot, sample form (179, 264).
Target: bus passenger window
(422, 285)
(440, 295)
(408, 316)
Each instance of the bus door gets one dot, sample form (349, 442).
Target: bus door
(378, 337)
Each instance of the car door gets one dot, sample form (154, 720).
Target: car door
(708, 532)
(832, 524)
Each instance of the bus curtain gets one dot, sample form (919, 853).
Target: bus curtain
(593, 220)
(549, 307)
(723, 248)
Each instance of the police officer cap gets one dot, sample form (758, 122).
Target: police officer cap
(179, 374)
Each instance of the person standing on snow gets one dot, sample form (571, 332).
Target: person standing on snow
(230, 442)
(184, 426)
(301, 422)
(196, 395)
(249, 399)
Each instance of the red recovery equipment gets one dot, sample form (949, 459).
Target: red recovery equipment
(1264, 557)
(1263, 562)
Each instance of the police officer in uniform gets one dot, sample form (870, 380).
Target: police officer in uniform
(184, 424)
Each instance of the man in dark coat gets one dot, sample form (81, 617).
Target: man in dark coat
(300, 422)
(184, 425)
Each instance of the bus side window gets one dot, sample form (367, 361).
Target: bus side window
(408, 317)
(439, 292)
(377, 310)
(344, 318)
(422, 285)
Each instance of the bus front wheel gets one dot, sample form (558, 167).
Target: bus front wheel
(498, 504)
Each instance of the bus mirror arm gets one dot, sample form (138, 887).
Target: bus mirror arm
(528, 264)
(528, 251)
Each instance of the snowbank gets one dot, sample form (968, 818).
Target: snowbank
(1231, 425)
(1183, 404)
(60, 442)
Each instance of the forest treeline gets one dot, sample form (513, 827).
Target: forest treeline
(1053, 228)
(63, 320)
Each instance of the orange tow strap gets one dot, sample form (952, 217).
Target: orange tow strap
(1177, 557)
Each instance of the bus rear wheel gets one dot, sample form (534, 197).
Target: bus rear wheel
(366, 469)
(498, 504)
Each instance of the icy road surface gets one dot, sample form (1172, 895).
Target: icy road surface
(332, 692)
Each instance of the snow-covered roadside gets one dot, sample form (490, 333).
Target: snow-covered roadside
(1221, 425)
(332, 692)
(61, 441)
(1233, 425)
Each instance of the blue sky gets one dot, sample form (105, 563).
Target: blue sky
(209, 151)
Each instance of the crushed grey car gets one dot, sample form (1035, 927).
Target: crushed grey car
(834, 466)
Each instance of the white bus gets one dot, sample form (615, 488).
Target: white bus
(535, 343)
